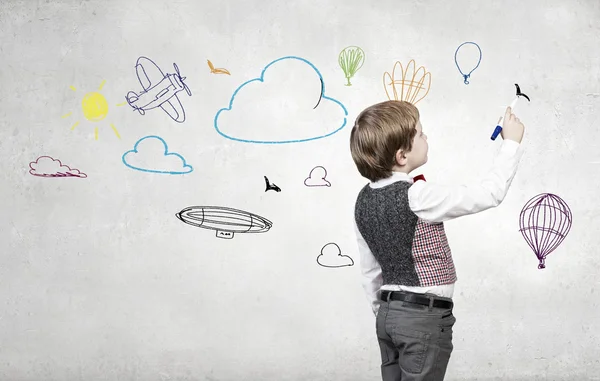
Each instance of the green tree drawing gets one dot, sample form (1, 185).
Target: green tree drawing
(351, 59)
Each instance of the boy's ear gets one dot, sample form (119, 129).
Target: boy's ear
(400, 158)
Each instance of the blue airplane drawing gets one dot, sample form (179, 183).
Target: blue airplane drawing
(160, 90)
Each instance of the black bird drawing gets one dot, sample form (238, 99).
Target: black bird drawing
(271, 186)
(519, 93)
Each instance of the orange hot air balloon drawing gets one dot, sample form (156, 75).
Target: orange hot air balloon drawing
(407, 85)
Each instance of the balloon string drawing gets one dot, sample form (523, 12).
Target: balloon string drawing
(351, 59)
(159, 90)
(466, 76)
(331, 256)
(46, 166)
(412, 82)
(317, 178)
(328, 114)
(95, 108)
(544, 222)
(271, 186)
(225, 221)
(214, 70)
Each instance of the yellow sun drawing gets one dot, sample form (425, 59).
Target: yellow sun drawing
(95, 109)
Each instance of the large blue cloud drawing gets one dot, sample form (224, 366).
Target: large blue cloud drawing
(323, 98)
(154, 149)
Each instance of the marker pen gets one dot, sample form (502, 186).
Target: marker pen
(499, 126)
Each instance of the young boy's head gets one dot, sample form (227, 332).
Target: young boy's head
(388, 137)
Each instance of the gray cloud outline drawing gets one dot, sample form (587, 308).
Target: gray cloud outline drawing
(331, 256)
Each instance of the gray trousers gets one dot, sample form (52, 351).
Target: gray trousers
(415, 341)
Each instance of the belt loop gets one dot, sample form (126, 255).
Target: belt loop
(431, 303)
(389, 295)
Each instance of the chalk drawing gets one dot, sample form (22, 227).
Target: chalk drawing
(46, 166)
(159, 90)
(295, 89)
(331, 256)
(151, 154)
(544, 222)
(317, 178)
(225, 221)
(95, 108)
(410, 83)
(469, 64)
(270, 186)
(214, 70)
(351, 59)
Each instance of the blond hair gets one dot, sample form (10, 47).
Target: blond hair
(378, 133)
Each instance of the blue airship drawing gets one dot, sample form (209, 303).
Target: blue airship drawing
(226, 221)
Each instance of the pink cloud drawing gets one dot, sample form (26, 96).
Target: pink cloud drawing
(45, 166)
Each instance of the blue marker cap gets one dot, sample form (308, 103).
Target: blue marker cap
(496, 132)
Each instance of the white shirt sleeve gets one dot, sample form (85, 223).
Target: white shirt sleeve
(437, 203)
(371, 270)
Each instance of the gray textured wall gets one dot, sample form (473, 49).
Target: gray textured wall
(99, 280)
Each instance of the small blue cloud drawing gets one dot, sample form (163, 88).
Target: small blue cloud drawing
(327, 115)
(155, 150)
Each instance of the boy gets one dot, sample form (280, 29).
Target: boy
(405, 258)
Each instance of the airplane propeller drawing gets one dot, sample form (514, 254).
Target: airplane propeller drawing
(159, 90)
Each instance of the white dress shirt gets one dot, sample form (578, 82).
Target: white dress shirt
(438, 203)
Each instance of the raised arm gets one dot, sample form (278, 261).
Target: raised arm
(438, 203)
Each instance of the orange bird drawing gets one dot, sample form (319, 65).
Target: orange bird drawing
(217, 71)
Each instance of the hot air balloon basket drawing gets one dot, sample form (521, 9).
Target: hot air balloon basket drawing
(408, 85)
(225, 221)
(544, 222)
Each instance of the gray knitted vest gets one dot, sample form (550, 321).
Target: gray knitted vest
(387, 224)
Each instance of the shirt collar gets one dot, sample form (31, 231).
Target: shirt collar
(396, 176)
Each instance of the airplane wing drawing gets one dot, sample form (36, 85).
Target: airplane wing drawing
(174, 109)
(148, 73)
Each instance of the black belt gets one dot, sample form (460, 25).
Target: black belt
(410, 297)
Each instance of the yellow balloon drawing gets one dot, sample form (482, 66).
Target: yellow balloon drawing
(95, 106)
(95, 109)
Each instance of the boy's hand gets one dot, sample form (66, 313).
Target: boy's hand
(512, 127)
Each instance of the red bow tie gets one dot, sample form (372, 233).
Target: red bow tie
(419, 177)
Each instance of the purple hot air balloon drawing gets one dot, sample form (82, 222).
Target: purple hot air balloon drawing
(544, 223)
